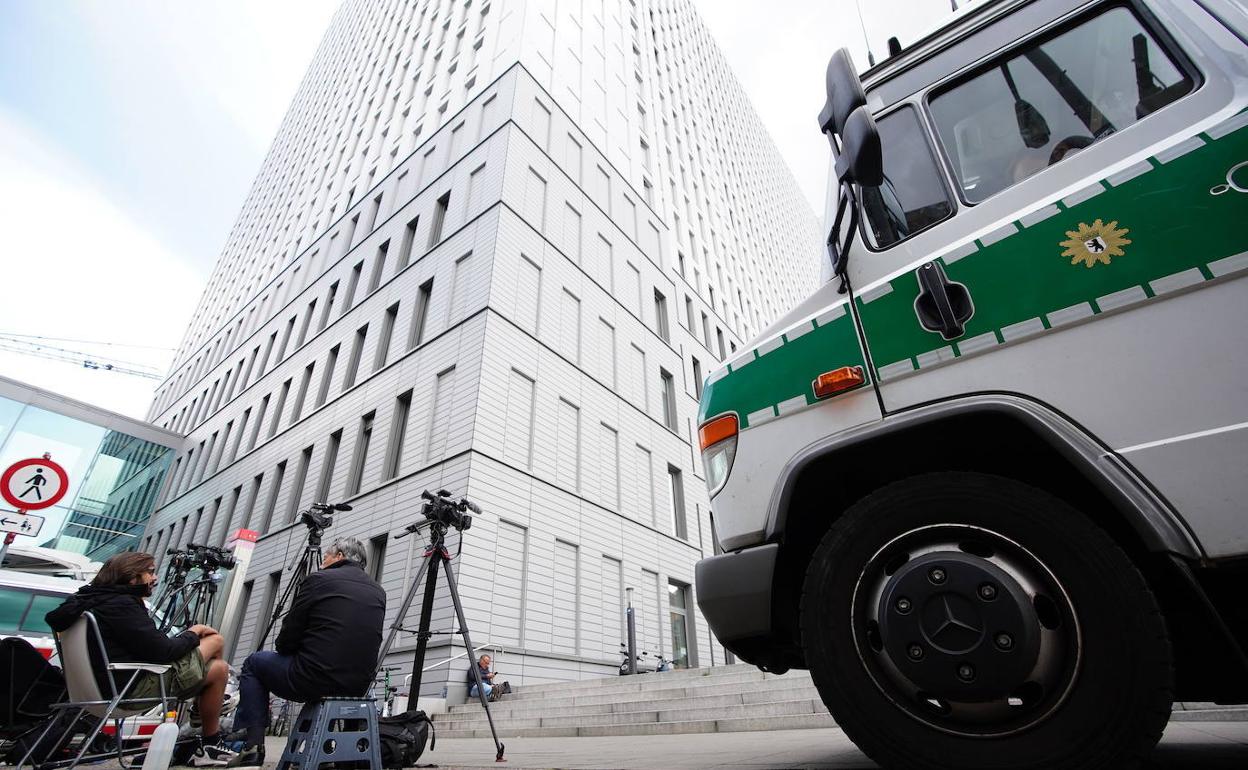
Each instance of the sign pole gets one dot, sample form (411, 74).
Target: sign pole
(9, 537)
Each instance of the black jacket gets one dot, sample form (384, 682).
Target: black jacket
(333, 631)
(485, 675)
(129, 632)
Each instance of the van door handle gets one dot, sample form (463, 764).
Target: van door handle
(942, 306)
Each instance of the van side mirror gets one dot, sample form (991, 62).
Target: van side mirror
(861, 160)
(844, 94)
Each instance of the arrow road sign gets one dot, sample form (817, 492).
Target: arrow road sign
(21, 524)
(29, 485)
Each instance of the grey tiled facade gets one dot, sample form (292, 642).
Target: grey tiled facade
(493, 250)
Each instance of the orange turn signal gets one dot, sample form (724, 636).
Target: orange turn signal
(717, 430)
(838, 380)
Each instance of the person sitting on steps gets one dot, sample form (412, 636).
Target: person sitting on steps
(492, 692)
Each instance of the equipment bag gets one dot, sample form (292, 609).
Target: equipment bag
(403, 738)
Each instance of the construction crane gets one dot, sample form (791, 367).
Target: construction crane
(23, 344)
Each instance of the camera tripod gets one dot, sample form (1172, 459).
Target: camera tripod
(317, 519)
(188, 603)
(184, 604)
(442, 514)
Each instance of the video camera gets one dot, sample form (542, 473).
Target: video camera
(203, 557)
(441, 509)
(319, 515)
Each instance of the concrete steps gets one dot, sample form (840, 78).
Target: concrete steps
(720, 699)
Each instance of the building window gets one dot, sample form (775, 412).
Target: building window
(353, 364)
(264, 362)
(660, 317)
(379, 265)
(387, 331)
(377, 555)
(252, 500)
(352, 283)
(255, 429)
(570, 326)
(307, 322)
(609, 466)
(697, 377)
(568, 449)
(420, 312)
(678, 614)
(669, 399)
(361, 454)
(329, 307)
(518, 430)
(296, 488)
(277, 410)
(398, 430)
(327, 467)
(302, 395)
(290, 328)
(238, 437)
(405, 247)
(271, 504)
(676, 488)
(439, 219)
(440, 420)
(330, 363)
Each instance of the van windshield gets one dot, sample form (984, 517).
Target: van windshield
(1050, 99)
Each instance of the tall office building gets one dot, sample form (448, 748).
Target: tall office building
(495, 248)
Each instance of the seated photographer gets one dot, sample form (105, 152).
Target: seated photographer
(115, 597)
(327, 646)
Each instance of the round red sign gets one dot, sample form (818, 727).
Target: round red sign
(30, 485)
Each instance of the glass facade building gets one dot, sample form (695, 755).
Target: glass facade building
(116, 467)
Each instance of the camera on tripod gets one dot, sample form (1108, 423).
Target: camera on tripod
(441, 509)
(320, 515)
(204, 557)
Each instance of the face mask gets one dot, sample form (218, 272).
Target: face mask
(150, 589)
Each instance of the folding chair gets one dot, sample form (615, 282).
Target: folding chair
(73, 645)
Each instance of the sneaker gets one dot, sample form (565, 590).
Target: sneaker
(212, 753)
(252, 756)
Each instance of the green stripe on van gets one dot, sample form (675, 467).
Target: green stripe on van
(783, 374)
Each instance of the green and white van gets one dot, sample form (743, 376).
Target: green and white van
(990, 482)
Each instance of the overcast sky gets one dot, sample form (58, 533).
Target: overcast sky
(130, 131)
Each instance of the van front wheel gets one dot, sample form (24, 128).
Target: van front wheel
(960, 620)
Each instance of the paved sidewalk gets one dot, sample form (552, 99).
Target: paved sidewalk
(1185, 746)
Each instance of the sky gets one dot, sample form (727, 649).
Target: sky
(131, 130)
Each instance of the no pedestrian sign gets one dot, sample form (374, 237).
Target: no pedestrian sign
(29, 485)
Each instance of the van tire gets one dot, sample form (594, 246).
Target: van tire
(1107, 673)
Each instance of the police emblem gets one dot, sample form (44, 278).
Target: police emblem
(1095, 243)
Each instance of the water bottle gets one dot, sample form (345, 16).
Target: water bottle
(160, 750)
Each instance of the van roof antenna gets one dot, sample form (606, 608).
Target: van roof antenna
(865, 39)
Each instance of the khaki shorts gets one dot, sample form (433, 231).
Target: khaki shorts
(184, 678)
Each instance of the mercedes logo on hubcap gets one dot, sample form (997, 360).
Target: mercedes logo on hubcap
(952, 624)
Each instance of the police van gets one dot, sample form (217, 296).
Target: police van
(988, 483)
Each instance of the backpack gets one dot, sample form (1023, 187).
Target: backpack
(403, 738)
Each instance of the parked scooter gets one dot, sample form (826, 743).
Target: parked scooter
(647, 662)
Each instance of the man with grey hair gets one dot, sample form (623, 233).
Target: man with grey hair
(327, 646)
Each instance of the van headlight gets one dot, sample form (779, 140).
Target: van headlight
(718, 438)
